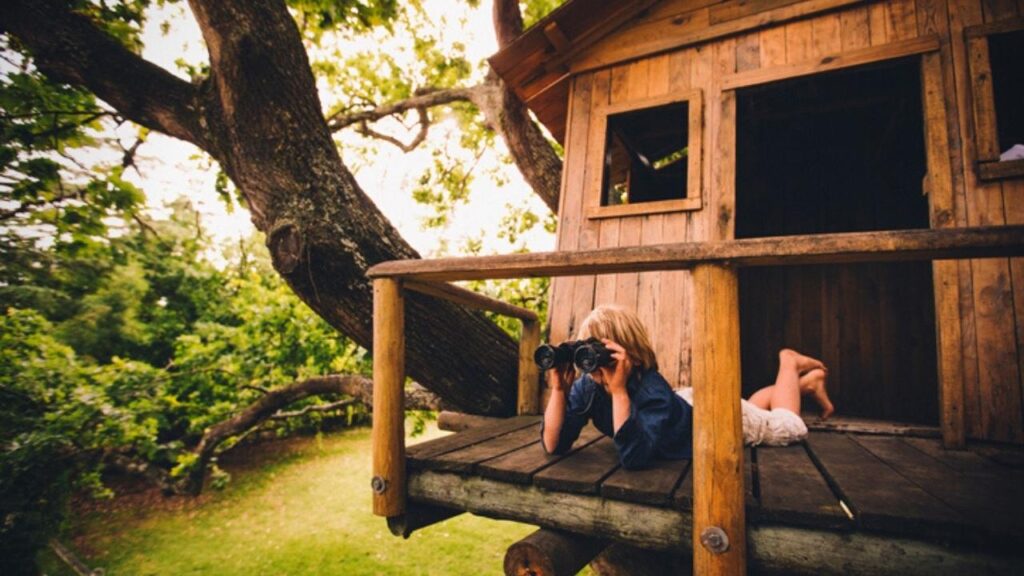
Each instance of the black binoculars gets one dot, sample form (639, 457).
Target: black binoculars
(588, 355)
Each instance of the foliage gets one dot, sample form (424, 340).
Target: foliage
(148, 348)
(119, 337)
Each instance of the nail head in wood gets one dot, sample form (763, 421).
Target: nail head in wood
(715, 540)
(379, 484)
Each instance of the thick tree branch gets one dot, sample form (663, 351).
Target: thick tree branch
(426, 98)
(68, 47)
(258, 114)
(508, 21)
(531, 151)
(269, 406)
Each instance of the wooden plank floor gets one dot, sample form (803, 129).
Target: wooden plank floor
(836, 481)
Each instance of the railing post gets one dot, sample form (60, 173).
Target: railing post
(719, 516)
(528, 401)
(389, 489)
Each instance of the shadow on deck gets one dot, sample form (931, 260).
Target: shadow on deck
(858, 503)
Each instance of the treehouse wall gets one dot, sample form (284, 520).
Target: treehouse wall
(979, 303)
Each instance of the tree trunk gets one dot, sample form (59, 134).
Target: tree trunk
(259, 115)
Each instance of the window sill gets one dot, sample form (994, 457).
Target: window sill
(645, 208)
(995, 170)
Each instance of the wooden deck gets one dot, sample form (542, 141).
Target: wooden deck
(876, 486)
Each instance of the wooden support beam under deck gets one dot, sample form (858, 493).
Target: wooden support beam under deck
(551, 553)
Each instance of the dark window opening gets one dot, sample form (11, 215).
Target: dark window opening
(839, 152)
(646, 155)
(1005, 52)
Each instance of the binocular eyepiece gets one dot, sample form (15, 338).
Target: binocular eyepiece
(588, 355)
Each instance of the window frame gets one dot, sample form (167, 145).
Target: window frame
(694, 142)
(983, 106)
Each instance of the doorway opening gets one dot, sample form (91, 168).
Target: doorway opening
(839, 152)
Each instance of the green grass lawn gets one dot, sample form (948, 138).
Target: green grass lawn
(298, 506)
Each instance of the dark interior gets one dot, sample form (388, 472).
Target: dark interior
(646, 155)
(839, 152)
(1005, 51)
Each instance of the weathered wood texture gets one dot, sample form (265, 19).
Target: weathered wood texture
(679, 46)
(895, 246)
(389, 479)
(718, 498)
(528, 396)
(908, 492)
(551, 553)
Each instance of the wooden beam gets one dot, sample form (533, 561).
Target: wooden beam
(719, 513)
(388, 483)
(458, 421)
(666, 34)
(849, 58)
(419, 516)
(903, 245)
(645, 208)
(945, 281)
(556, 37)
(773, 549)
(999, 27)
(996, 170)
(551, 553)
(528, 397)
(472, 299)
(592, 515)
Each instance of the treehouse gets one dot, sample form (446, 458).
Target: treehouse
(844, 177)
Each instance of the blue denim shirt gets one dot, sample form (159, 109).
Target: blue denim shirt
(660, 423)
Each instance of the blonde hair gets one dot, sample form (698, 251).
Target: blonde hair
(622, 327)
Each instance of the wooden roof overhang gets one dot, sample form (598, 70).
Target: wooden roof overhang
(585, 35)
(535, 64)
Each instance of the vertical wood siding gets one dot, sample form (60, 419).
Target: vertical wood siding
(991, 291)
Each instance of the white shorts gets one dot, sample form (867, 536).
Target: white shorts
(778, 427)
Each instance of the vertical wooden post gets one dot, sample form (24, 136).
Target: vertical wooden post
(719, 516)
(388, 386)
(944, 272)
(528, 401)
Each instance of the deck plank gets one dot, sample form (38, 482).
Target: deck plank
(683, 496)
(653, 485)
(880, 498)
(582, 471)
(520, 465)
(985, 501)
(465, 438)
(463, 459)
(968, 463)
(793, 491)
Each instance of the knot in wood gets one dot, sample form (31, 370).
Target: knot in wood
(715, 540)
(286, 246)
(379, 485)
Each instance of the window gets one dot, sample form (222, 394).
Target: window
(650, 157)
(997, 85)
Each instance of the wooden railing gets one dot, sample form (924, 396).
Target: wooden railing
(718, 500)
(388, 434)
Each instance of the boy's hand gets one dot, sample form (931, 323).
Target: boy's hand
(617, 375)
(559, 379)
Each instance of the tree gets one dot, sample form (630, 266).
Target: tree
(257, 113)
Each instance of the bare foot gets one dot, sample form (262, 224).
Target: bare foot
(821, 393)
(804, 364)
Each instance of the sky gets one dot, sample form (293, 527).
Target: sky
(170, 168)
